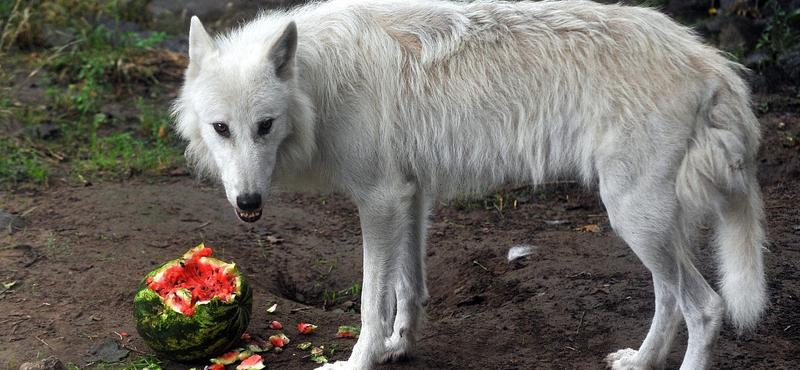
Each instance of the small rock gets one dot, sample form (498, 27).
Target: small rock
(50, 363)
(9, 221)
(43, 131)
(108, 352)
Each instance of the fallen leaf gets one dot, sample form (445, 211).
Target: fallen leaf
(589, 228)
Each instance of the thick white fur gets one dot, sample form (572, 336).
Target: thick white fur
(399, 102)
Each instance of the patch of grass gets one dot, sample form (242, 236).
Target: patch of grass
(54, 248)
(146, 362)
(501, 200)
(335, 296)
(20, 164)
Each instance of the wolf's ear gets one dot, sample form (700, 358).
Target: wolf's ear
(199, 45)
(281, 53)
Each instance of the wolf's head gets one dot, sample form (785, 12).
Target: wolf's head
(235, 109)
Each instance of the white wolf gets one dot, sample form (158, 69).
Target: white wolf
(396, 103)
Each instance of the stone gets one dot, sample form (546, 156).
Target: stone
(11, 222)
(50, 363)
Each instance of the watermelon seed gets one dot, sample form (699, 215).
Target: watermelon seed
(183, 264)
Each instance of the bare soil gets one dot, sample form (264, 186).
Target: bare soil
(77, 260)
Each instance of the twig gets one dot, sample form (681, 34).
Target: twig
(45, 343)
(581, 322)
(27, 211)
(202, 226)
(134, 350)
(293, 310)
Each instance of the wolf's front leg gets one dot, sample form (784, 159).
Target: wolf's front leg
(393, 289)
(377, 304)
(411, 291)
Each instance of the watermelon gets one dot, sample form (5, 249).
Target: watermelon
(193, 307)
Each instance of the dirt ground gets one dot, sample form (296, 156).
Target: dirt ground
(79, 252)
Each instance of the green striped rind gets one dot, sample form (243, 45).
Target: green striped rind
(214, 327)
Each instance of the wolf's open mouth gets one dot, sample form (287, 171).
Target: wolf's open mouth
(249, 216)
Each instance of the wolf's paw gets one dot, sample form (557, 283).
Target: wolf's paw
(623, 359)
(341, 365)
(399, 347)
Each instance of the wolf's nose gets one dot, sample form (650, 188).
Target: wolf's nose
(249, 202)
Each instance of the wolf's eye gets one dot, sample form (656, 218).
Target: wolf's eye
(264, 126)
(222, 129)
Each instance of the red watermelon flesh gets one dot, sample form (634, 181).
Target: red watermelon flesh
(253, 362)
(194, 280)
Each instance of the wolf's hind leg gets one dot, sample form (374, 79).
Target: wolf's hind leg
(644, 211)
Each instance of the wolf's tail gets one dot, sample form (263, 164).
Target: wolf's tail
(717, 178)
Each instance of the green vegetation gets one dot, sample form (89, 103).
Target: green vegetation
(781, 33)
(146, 362)
(333, 296)
(98, 117)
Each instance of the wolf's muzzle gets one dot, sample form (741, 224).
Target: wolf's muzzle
(248, 207)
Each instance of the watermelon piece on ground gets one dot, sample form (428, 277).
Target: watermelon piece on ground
(348, 331)
(253, 362)
(306, 328)
(279, 340)
(226, 359)
(255, 344)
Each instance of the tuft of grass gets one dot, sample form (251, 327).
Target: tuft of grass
(20, 164)
(336, 296)
(146, 362)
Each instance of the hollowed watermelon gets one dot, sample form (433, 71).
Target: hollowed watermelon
(194, 307)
